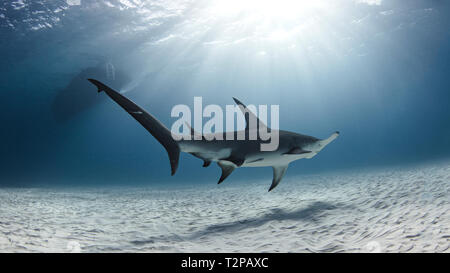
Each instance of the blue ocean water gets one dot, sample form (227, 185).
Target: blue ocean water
(376, 70)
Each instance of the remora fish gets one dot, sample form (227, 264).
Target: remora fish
(229, 154)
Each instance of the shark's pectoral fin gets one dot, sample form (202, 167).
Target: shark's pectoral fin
(226, 171)
(278, 173)
(206, 163)
(235, 159)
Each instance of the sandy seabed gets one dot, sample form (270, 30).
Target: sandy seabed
(397, 210)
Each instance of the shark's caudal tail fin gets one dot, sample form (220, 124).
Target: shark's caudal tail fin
(156, 128)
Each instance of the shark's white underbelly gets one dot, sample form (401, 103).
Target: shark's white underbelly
(263, 159)
(274, 159)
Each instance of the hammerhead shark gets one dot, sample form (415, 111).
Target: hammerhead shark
(229, 155)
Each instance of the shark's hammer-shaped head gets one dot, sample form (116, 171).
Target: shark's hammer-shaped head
(306, 146)
(317, 145)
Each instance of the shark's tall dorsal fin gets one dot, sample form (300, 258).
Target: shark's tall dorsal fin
(226, 171)
(247, 113)
(278, 173)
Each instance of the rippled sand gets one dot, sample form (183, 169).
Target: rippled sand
(380, 211)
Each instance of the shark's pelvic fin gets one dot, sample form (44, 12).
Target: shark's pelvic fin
(247, 114)
(278, 173)
(296, 151)
(206, 163)
(226, 171)
(153, 126)
(235, 159)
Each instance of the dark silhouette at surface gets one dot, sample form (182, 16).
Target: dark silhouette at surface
(77, 96)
